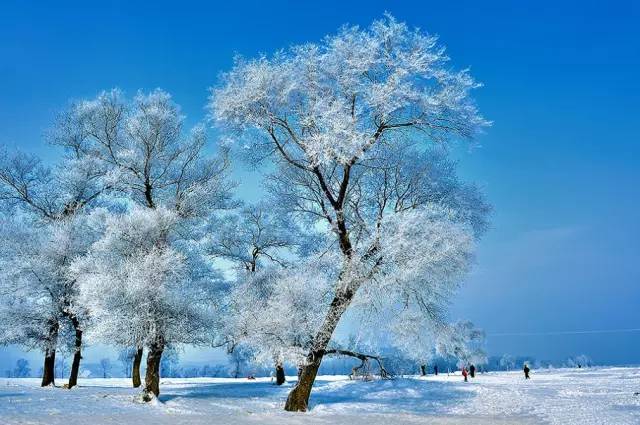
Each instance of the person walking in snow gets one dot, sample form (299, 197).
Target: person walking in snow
(435, 370)
(526, 371)
(472, 371)
(464, 373)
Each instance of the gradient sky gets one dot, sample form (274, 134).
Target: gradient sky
(560, 164)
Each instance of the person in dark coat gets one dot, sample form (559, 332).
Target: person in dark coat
(472, 371)
(526, 371)
(280, 378)
(435, 370)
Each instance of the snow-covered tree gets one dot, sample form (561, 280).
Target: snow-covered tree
(125, 357)
(22, 369)
(239, 357)
(151, 158)
(507, 362)
(346, 123)
(156, 166)
(463, 342)
(258, 242)
(105, 366)
(581, 360)
(415, 337)
(277, 315)
(170, 364)
(252, 237)
(45, 233)
(147, 285)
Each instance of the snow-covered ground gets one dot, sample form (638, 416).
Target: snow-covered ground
(561, 396)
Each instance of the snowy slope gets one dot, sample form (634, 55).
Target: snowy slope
(562, 396)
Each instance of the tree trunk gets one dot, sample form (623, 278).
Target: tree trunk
(298, 399)
(77, 354)
(135, 370)
(423, 369)
(280, 378)
(152, 377)
(48, 370)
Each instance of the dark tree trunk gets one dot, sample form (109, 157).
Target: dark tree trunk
(298, 399)
(423, 369)
(152, 377)
(77, 356)
(49, 368)
(135, 370)
(48, 371)
(77, 353)
(280, 379)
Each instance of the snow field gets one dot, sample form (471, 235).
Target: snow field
(561, 396)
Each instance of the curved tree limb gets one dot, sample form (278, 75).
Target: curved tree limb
(364, 358)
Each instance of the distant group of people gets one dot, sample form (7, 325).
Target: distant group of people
(472, 372)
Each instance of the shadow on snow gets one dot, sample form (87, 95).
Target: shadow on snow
(410, 395)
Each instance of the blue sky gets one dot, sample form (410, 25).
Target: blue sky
(560, 164)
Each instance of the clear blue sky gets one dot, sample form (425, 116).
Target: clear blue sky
(560, 163)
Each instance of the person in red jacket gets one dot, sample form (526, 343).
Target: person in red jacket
(464, 373)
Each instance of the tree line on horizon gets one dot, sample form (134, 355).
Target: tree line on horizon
(396, 363)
